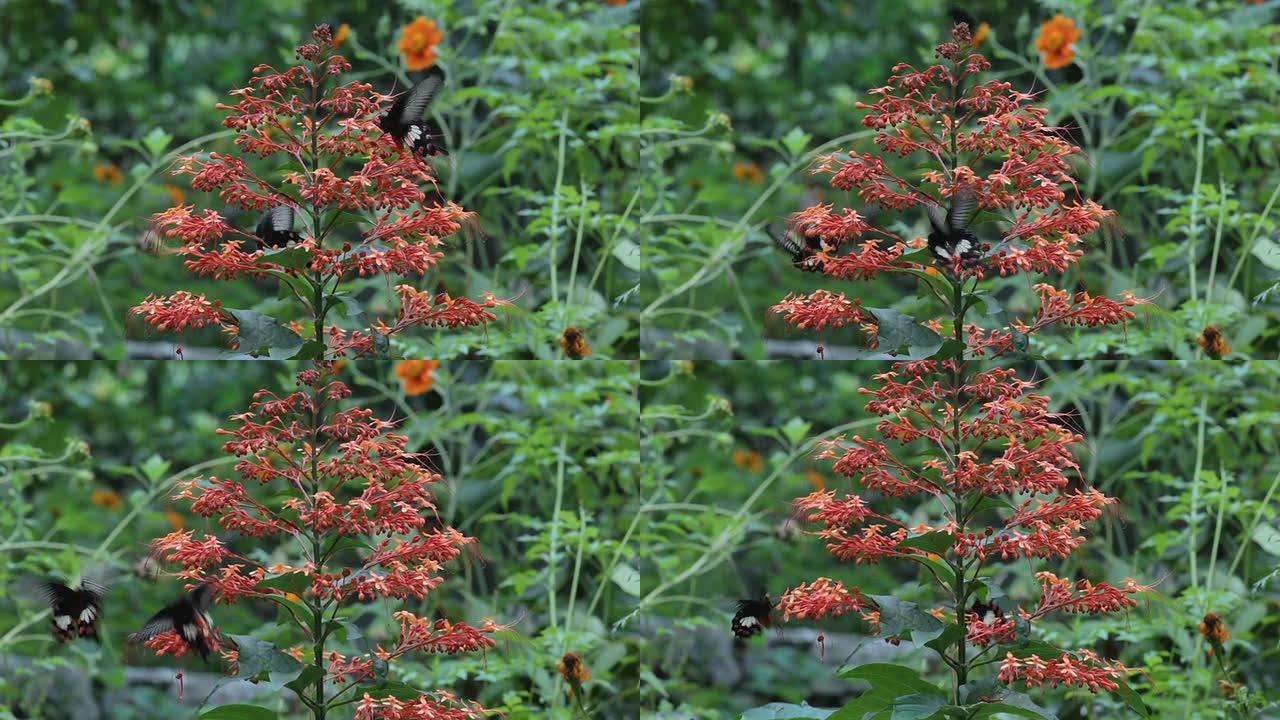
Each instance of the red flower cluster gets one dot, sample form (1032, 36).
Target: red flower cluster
(316, 127)
(987, 436)
(348, 483)
(963, 129)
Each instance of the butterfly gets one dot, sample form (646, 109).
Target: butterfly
(188, 616)
(752, 616)
(275, 228)
(74, 612)
(988, 613)
(404, 120)
(951, 237)
(803, 250)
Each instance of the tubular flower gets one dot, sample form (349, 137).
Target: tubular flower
(323, 476)
(995, 485)
(983, 143)
(417, 376)
(337, 159)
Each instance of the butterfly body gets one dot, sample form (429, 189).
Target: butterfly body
(275, 228)
(988, 613)
(73, 612)
(188, 617)
(951, 239)
(803, 251)
(404, 121)
(752, 617)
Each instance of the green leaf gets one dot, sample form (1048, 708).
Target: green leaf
(156, 141)
(1039, 648)
(261, 335)
(900, 334)
(935, 542)
(291, 257)
(306, 680)
(627, 578)
(1132, 699)
(1268, 538)
(627, 252)
(393, 688)
(288, 582)
(155, 468)
(796, 140)
(916, 706)
(987, 710)
(238, 712)
(256, 657)
(899, 679)
(350, 306)
(1267, 251)
(778, 711)
(950, 634)
(311, 350)
(796, 430)
(989, 688)
(899, 618)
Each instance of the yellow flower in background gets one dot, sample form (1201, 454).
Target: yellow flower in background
(1057, 41)
(748, 172)
(343, 31)
(418, 42)
(174, 518)
(175, 194)
(105, 498)
(748, 460)
(815, 479)
(417, 376)
(107, 173)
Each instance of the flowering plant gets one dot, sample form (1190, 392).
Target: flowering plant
(314, 127)
(997, 478)
(962, 130)
(359, 509)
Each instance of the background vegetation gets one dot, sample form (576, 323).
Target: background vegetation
(539, 462)
(540, 119)
(1188, 448)
(1174, 104)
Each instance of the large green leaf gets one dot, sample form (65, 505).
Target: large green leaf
(901, 336)
(903, 619)
(306, 680)
(935, 542)
(260, 335)
(916, 706)
(778, 711)
(257, 657)
(888, 684)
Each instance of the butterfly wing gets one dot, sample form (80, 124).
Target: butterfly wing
(411, 105)
(752, 617)
(964, 202)
(281, 218)
(785, 242)
(937, 217)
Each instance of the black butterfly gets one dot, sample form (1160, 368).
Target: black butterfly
(753, 616)
(74, 613)
(988, 613)
(275, 229)
(951, 237)
(803, 250)
(188, 616)
(404, 120)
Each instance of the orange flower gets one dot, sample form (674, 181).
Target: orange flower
(418, 43)
(174, 518)
(981, 33)
(748, 460)
(815, 479)
(1057, 41)
(748, 172)
(108, 173)
(343, 31)
(574, 343)
(337, 366)
(615, 2)
(417, 376)
(175, 194)
(108, 499)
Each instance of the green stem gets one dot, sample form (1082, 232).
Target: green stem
(1193, 227)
